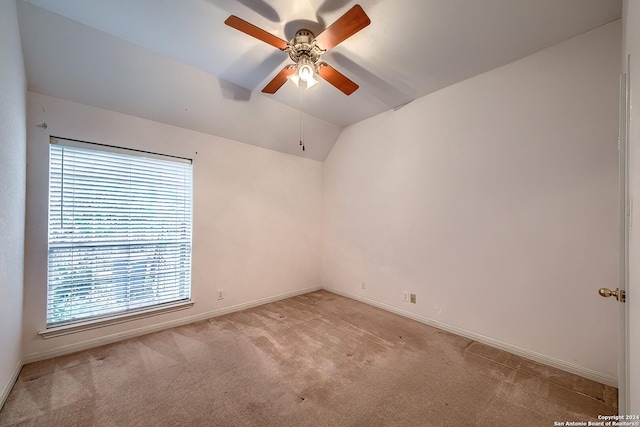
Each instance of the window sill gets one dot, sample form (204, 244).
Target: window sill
(57, 331)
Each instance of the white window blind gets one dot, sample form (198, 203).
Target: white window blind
(119, 231)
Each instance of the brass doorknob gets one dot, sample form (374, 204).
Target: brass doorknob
(606, 292)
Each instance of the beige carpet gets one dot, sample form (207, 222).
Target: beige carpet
(313, 360)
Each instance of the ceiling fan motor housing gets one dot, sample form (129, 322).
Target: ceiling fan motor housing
(303, 45)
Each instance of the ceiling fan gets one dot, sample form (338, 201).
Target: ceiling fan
(305, 50)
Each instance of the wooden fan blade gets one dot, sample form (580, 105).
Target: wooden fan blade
(336, 78)
(279, 80)
(247, 28)
(347, 25)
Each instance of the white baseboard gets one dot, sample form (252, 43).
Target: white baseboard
(523, 352)
(108, 339)
(9, 385)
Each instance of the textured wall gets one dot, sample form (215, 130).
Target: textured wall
(13, 143)
(495, 201)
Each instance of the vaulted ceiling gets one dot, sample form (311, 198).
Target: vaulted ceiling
(176, 62)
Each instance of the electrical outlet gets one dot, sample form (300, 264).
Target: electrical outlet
(405, 296)
(364, 286)
(412, 298)
(220, 294)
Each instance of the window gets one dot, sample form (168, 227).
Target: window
(119, 232)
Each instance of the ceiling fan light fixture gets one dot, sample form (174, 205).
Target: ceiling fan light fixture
(294, 79)
(305, 73)
(311, 82)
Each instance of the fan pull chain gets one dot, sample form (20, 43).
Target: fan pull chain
(301, 102)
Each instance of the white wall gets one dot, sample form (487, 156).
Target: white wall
(257, 215)
(495, 201)
(632, 47)
(13, 142)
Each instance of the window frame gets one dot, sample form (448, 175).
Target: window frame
(125, 314)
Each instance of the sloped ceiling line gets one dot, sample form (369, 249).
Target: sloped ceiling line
(155, 59)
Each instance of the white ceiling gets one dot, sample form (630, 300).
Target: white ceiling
(176, 62)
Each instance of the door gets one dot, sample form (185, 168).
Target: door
(625, 223)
